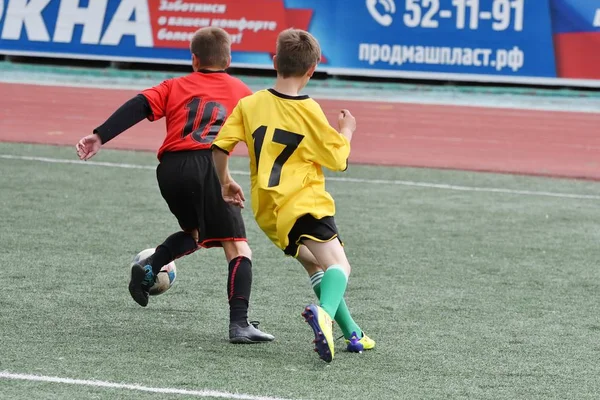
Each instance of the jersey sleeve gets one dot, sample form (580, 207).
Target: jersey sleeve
(126, 116)
(245, 90)
(232, 131)
(157, 97)
(242, 90)
(328, 147)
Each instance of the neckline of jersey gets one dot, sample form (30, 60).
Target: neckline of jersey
(209, 71)
(285, 96)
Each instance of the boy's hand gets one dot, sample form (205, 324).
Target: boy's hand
(233, 194)
(88, 146)
(346, 121)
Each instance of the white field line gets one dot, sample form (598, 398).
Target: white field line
(441, 186)
(139, 388)
(67, 161)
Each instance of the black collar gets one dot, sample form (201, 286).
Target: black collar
(208, 71)
(285, 96)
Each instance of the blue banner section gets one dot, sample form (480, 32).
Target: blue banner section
(574, 16)
(98, 32)
(481, 40)
(457, 36)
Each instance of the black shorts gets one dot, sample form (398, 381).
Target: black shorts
(189, 184)
(308, 227)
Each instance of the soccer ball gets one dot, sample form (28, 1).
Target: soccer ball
(165, 277)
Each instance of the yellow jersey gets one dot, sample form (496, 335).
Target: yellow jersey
(289, 139)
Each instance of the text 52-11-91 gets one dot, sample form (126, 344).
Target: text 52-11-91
(467, 14)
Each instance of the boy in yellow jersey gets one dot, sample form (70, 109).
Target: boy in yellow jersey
(289, 141)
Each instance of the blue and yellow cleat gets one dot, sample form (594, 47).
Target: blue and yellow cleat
(322, 326)
(353, 344)
(356, 345)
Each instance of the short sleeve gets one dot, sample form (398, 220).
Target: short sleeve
(232, 131)
(157, 97)
(245, 91)
(330, 149)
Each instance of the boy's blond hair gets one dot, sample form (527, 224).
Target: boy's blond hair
(212, 47)
(297, 51)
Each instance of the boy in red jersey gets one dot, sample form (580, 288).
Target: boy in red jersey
(195, 107)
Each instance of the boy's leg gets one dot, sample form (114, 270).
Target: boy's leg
(331, 255)
(175, 246)
(239, 280)
(145, 271)
(320, 236)
(224, 226)
(239, 288)
(183, 200)
(315, 272)
(333, 287)
(355, 337)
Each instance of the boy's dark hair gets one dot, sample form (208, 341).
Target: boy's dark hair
(212, 47)
(297, 51)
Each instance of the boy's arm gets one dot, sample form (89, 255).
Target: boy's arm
(333, 147)
(230, 134)
(126, 116)
(221, 160)
(232, 192)
(129, 114)
(150, 104)
(347, 124)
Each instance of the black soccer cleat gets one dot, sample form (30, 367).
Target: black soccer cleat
(240, 334)
(142, 279)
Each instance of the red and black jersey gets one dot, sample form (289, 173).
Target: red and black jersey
(195, 107)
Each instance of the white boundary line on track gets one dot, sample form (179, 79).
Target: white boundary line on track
(139, 388)
(449, 99)
(441, 186)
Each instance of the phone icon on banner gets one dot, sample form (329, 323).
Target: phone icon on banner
(385, 18)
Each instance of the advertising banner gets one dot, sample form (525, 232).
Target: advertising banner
(553, 42)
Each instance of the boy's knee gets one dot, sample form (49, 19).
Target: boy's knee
(346, 269)
(329, 253)
(239, 248)
(308, 261)
(311, 268)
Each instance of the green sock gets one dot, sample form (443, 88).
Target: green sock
(342, 315)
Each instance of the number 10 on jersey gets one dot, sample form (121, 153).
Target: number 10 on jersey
(289, 140)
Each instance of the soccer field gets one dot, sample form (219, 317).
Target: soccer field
(473, 285)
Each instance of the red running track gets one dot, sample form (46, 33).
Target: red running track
(561, 144)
